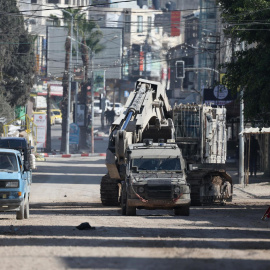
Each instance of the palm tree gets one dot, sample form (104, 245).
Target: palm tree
(85, 29)
(90, 38)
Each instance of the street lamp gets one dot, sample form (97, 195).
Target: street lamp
(69, 78)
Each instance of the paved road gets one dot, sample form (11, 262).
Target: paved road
(65, 193)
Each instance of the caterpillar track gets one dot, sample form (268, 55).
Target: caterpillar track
(210, 187)
(109, 191)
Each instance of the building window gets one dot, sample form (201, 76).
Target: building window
(127, 23)
(49, 22)
(74, 2)
(139, 24)
(157, 30)
(149, 24)
(67, 2)
(53, 1)
(33, 1)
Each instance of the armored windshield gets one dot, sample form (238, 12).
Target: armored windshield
(147, 164)
(8, 162)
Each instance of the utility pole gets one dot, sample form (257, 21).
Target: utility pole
(199, 52)
(48, 141)
(92, 105)
(241, 141)
(103, 101)
(69, 77)
(241, 136)
(76, 90)
(69, 86)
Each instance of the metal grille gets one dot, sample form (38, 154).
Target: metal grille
(187, 123)
(160, 192)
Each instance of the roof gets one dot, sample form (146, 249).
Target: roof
(13, 138)
(13, 142)
(167, 150)
(4, 150)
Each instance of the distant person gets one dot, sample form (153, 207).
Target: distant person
(254, 149)
(106, 114)
(111, 116)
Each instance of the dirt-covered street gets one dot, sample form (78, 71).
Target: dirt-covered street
(65, 193)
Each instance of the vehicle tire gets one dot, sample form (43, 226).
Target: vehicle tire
(182, 211)
(26, 209)
(130, 210)
(109, 191)
(123, 202)
(20, 213)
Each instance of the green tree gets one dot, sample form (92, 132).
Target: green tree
(85, 30)
(17, 59)
(247, 23)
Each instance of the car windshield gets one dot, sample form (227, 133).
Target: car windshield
(8, 162)
(154, 164)
(56, 112)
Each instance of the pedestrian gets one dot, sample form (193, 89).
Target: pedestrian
(254, 149)
(112, 115)
(107, 112)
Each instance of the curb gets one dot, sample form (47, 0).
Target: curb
(98, 139)
(71, 155)
(66, 155)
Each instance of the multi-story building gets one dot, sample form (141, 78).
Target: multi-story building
(182, 5)
(200, 53)
(145, 40)
(138, 50)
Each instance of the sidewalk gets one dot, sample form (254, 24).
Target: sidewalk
(257, 188)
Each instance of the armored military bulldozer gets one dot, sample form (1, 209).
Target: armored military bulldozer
(200, 132)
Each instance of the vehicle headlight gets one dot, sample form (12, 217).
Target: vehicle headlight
(140, 189)
(177, 190)
(12, 184)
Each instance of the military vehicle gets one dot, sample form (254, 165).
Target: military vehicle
(155, 179)
(146, 115)
(200, 132)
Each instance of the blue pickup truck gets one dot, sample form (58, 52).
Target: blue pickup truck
(15, 176)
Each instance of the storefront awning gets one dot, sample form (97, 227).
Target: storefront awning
(256, 130)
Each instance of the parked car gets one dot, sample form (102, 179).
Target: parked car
(118, 107)
(97, 107)
(58, 116)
